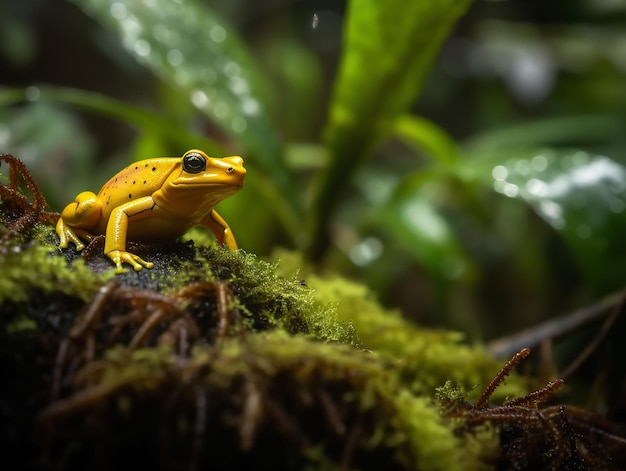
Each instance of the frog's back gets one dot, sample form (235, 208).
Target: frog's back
(137, 180)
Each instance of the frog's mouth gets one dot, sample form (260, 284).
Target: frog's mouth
(209, 183)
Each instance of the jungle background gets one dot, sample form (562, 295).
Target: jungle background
(470, 172)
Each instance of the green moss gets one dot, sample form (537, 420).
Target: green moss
(201, 236)
(274, 300)
(425, 358)
(30, 267)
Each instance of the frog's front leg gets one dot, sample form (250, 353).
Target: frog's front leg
(77, 219)
(120, 256)
(117, 229)
(221, 229)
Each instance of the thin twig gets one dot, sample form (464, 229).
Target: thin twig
(506, 346)
(606, 326)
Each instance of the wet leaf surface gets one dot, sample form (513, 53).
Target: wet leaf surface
(579, 194)
(192, 48)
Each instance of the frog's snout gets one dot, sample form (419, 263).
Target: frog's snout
(235, 165)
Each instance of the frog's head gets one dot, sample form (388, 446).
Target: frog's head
(197, 170)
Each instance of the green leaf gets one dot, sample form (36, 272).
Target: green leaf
(412, 218)
(388, 49)
(188, 46)
(425, 135)
(583, 197)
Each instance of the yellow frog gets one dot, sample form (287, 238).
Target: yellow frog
(154, 199)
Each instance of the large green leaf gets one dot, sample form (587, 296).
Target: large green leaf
(583, 197)
(388, 48)
(187, 45)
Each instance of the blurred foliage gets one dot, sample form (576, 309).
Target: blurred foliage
(499, 196)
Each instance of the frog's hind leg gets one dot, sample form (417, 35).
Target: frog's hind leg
(77, 219)
(84, 212)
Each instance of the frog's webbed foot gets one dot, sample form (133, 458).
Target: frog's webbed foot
(120, 256)
(69, 234)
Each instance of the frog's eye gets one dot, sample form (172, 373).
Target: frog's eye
(194, 163)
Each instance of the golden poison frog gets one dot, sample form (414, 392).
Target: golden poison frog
(154, 199)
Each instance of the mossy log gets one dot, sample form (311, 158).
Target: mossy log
(216, 359)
